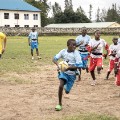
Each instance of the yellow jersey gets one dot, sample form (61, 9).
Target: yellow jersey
(2, 37)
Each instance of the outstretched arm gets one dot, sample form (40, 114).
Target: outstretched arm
(80, 43)
(55, 61)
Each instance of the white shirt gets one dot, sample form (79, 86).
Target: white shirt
(119, 41)
(85, 39)
(72, 58)
(113, 49)
(33, 35)
(118, 55)
(102, 43)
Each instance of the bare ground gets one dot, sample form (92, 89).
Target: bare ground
(33, 96)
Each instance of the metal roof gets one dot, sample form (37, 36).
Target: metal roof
(17, 5)
(80, 25)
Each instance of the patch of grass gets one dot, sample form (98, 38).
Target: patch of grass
(17, 57)
(90, 117)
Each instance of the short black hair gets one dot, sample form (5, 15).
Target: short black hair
(33, 28)
(84, 28)
(97, 31)
(115, 38)
(69, 41)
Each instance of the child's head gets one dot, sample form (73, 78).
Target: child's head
(84, 31)
(71, 43)
(97, 34)
(33, 29)
(115, 40)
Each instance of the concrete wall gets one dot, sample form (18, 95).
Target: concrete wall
(56, 31)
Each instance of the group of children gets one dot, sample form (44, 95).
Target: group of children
(77, 60)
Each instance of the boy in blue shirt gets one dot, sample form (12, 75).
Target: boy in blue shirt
(68, 76)
(81, 42)
(33, 42)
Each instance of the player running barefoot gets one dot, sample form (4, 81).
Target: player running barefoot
(68, 76)
(112, 52)
(95, 47)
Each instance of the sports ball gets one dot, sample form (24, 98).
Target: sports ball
(63, 65)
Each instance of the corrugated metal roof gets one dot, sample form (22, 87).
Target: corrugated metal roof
(16, 5)
(80, 25)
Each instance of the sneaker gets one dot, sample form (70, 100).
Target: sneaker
(58, 107)
(39, 57)
(32, 58)
(93, 83)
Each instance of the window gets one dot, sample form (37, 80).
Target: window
(16, 16)
(26, 26)
(26, 16)
(35, 26)
(6, 15)
(17, 26)
(35, 16)
(7, 25)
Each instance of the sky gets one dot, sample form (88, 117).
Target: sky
(102, 4)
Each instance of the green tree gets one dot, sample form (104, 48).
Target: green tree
(68, 5)
(56, 8)
(103, 15)
(90, 11)
(112, 14)
(80, 16)
(68, 15)
(80, 10)
(98, 15)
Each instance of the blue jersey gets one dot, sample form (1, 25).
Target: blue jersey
(85, 39)
(33, 36)
(73, 59)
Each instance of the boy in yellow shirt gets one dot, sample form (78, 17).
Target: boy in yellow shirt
(2, 43)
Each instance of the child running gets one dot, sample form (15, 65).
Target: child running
(95, 47)
(67, 77)
(81, 42)
(112, 52)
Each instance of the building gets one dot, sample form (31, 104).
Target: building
(18, 13)
(87, 25)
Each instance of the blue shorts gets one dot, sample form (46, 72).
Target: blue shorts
(84, 59)
(69, 80)
(34, 45)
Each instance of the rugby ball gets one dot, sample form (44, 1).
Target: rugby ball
(63, 65)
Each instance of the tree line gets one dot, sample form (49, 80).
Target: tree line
(68, 15)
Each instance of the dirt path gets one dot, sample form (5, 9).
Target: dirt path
(36, 96)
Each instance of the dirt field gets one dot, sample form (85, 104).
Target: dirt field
(36, 96)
